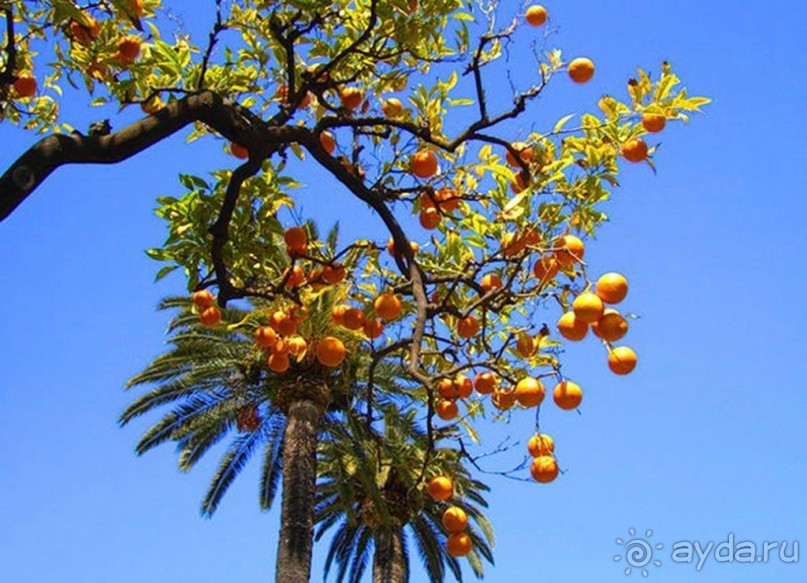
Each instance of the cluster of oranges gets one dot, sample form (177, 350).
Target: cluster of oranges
(455, 520)
(450, 390)
(544, 467)
(386, 308)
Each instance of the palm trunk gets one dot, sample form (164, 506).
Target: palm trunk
(389, 564)
(299, 482)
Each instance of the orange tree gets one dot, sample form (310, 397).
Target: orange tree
(399, 102)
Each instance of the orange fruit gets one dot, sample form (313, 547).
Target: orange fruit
(524, 152)
(525, 345)
(529, 392)
(295, 237)
(334, 273)
(571, 328)
(391, 246)
(278, 362)
(440, 488)
(128, 49)
(239, 151)
(338, 314)
(544, 469)
(588, 307)
(202, 299)
(85, 34)
(299, 313)
(351, 97)
(581, 70)
(25, 84)
(540, 444)
(423, 164)
(491, 281)
(447, 389)
(512, 244)
(634, 150)
(653, 122)
(621, 360)
(567, 395)
(294, 276)
(448, 199)
(328, 142)
(612, 288)
(210, 317)
(570, 250)
(546, 268)
(265, 337)
(459, 544)
(286, 325)
(611, 327)
(485, 383)
(447, 410)
(463, 386)
(504, 400)
(330, 351)
(519, 183)
(297, 252)
(430, 218)
(531, 237)
(353, 319)
(468, 327)
(455, 519)
(281, 347)
(392, 107)
(373, 328)
(315, 278)
(297, 345)
(536, 15)
(388, 307)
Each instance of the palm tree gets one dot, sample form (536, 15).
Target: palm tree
(368, 491)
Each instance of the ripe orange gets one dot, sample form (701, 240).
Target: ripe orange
(330, 351)
(338, 314)
(447, 389)
(570, 250)
(388, 307)
(299, 313)
(265, 337)
(567, 395)
(491, 281)
(531, 237)
(334, 273)
(634, 150)
(281, 347)
(504, 400)
(278, 362)
(571, 328)
(294, 276)
(455, 519)
(653, 122)
(351, 97)
(611, 327)
(525, 345)
(210, 317)
(297, 345)
(440, 488)
(430, 218)
(540, 444)
(423, 164)
(581, 70)
(128, 49)
(485, 383)
(373, 328)
(448, 199)
(621, 360)
(392, 107)
(353, 319)
(391, 246)
(447, 410)
(328, 142)
(588, 307)
(286, 325)
(459, 544)
(85, 34)
(536, 15)
(297, 252)
(468, 327)
(463, 386)
(239, 151)
(295, 237)
(25, 84)
(612, 288)
(519, 183)
(529, 392)
(512, 244)
(315, 278)
(544, 469)
(546, 268)
(202, 299)
(524, 152)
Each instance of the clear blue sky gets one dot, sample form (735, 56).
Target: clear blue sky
(704, 439)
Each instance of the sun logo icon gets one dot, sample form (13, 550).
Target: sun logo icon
(638, 552)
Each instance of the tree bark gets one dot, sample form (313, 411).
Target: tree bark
(389, 564)
(299, 482)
